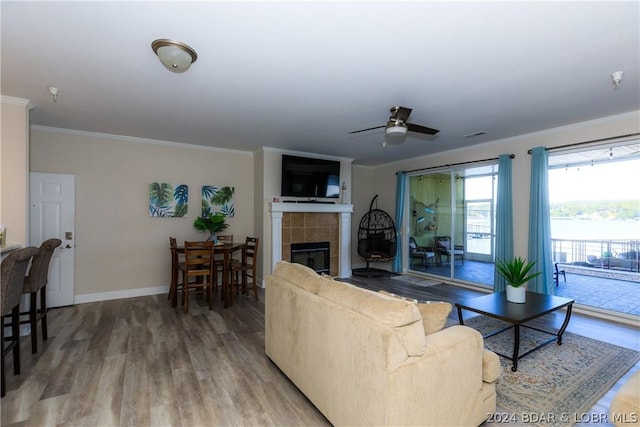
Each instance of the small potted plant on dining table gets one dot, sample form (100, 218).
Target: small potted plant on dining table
(516, 273)
(213, 223)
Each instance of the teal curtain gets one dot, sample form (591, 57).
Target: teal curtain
(504, 218)
(400, 190)
(540, 223)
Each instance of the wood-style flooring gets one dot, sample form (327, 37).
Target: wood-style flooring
(139, 362)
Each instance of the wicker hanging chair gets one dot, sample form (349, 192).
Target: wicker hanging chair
(376, 240)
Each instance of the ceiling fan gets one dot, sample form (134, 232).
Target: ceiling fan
(397, 124)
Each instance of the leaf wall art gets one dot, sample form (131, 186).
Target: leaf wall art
(217, 200)
(168, 200)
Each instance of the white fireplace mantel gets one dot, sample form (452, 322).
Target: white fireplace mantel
(344, 210)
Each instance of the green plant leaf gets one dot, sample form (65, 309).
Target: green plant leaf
(516, 271)
(223, 196)
(160, 194)
(213, 223)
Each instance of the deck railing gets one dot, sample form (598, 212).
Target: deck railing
(617, 254)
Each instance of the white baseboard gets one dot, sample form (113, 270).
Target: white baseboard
(128, 293)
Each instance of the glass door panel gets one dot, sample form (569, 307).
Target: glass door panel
(452, 223)
(430, 210)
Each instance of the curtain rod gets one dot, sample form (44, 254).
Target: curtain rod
(576, 144)
(511, 156)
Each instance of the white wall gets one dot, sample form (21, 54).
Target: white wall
(364, 190)
(384, 176)
(14, 169)
(120, 249)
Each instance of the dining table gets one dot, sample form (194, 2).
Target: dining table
(227, 249)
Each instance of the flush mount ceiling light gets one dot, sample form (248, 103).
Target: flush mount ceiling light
(176, 56)
(395, 128)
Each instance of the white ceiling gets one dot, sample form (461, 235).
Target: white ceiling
(301, 75)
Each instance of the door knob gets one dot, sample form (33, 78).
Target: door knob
(68, 247)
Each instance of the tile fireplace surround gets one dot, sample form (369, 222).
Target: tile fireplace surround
(309, 222)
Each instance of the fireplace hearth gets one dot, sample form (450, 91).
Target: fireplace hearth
(314, 255)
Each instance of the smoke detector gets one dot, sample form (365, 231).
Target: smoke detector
(54, 93)
(616, 78)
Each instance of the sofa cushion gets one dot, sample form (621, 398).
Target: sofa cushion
(389, 294)
(434, 315)
(299, 275)
(402, 316)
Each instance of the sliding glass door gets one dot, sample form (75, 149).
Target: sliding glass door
(452, 223)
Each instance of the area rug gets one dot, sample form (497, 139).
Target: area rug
(418, 281)
(555, 385)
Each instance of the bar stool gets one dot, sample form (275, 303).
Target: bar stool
(36, 281)
(14, 268)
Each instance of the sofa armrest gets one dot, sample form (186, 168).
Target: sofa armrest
(490, 366)
(431, 389)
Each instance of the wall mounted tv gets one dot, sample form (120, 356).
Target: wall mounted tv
(308, 177)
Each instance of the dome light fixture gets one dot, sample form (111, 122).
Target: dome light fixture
(395, 128)
(175, 56)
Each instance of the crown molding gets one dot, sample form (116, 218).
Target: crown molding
(133, 139)
(17, 101)
(306, 154)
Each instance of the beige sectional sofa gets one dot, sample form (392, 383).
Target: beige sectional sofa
(363, 358)
(625, 406)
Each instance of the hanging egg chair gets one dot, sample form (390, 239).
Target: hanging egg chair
(376, 241)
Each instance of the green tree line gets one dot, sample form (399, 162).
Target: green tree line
(610, 209)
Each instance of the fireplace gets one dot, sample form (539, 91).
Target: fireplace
(314, 255)
(296, 223)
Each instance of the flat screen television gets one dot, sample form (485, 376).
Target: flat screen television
(308, 177)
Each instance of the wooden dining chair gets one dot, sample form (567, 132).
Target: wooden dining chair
(219, 263)
(244, 272)
(197, 271)
(177, 266)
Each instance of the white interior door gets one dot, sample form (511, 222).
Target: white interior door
(52, 215)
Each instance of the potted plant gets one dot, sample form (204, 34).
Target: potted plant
(214, 223)
(516, 273)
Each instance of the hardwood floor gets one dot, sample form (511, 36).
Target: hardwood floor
(139, 362)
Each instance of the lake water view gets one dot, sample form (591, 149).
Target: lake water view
(594, 229)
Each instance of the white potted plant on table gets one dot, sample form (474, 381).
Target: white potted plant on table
(516, 273)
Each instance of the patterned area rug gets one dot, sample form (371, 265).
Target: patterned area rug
(418, 281)
(556, 384)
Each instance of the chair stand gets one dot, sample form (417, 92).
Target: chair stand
(35, 315)
(14, 346)
(370, 272)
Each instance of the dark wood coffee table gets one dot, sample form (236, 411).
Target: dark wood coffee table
(496, 305)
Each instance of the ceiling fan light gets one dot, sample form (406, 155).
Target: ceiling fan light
(396, 129)
(175, 56)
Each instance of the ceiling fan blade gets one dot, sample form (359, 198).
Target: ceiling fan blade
(364, 130)
(400, 113)
(421, 129)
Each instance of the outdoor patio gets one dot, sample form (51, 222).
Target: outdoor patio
(606, 289)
